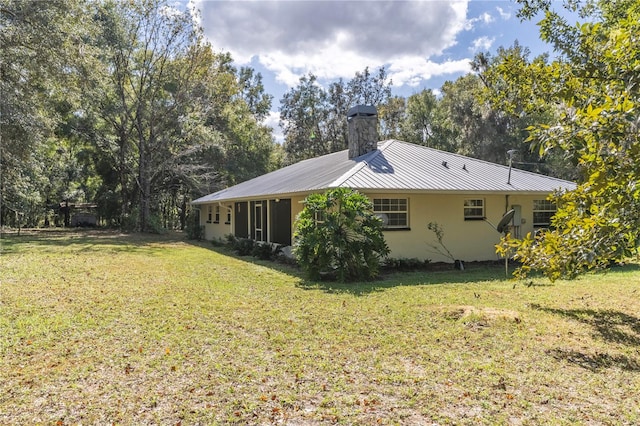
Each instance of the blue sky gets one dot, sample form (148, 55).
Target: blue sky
(421, 43)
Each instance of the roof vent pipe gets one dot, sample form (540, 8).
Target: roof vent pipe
(362, 123)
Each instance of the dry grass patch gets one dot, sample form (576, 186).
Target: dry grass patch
(100, 328)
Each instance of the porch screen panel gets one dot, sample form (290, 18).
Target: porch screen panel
(280, 221)
(241, 213)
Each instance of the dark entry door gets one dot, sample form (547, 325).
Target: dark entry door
(242, 219)
(281, 221)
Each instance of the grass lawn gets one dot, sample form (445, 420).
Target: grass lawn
(102, 328)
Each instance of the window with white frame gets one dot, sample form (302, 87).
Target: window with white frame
(217, 216)
(543, 211)
(474, 209)
(394, 212)
(209, 213)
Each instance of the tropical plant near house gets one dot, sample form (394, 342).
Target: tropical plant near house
(439, 248)
(338, 234)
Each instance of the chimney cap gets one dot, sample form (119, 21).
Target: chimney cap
(362, 110)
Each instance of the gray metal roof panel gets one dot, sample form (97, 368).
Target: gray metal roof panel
(307, 175)
(399, 165)
(395, 165)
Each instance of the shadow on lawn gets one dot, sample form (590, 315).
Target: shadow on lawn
(82, 239)
(432, 274)
(597, 361)
(478, 273)
(611, 326)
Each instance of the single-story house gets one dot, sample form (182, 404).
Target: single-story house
(410, 186)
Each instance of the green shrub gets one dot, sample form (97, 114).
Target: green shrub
(193, 229)
(154, 225)
(339, 236)
(249, 247)
(129, 222)
(266, 251)
(243, 246)
(218, 242)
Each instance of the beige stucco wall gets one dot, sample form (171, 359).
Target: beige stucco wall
(467, 240)
(216, 231)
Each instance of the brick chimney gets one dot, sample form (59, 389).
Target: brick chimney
(362, 122)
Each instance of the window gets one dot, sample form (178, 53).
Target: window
(217, 220)
(392, 211)
(228, 216)
(474, 209)
(543, 211)
(209, 210)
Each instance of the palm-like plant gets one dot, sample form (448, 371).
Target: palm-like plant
(339, 235)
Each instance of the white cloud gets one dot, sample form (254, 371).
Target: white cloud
(334, 39)
(411, 71)
(503, 14)
(484, 18)
(481, 43)
(273, 121)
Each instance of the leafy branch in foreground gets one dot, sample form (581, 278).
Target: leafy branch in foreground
(596, 89)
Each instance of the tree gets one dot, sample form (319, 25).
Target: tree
(252, 91)
(314, 119)
(595, 86)
(303, 114)
(338, 234)
(394, 114)
(479, 130)
(152, 55)
(41, 46)
(418, 127)
(122, 103)
(173, 119)
(513, 111)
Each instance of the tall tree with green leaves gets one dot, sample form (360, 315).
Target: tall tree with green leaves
(477, 129)
(252, 90)
(393, 114)
(172, 118)
(41, 46)
(426, 122)
(314, 119)
(303, 117)
(594, 86)
(151, 55)
(513, 114)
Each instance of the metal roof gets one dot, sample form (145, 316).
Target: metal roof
(394, 166)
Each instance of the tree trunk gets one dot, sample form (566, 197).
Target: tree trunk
(145, 187)
(183, 213)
